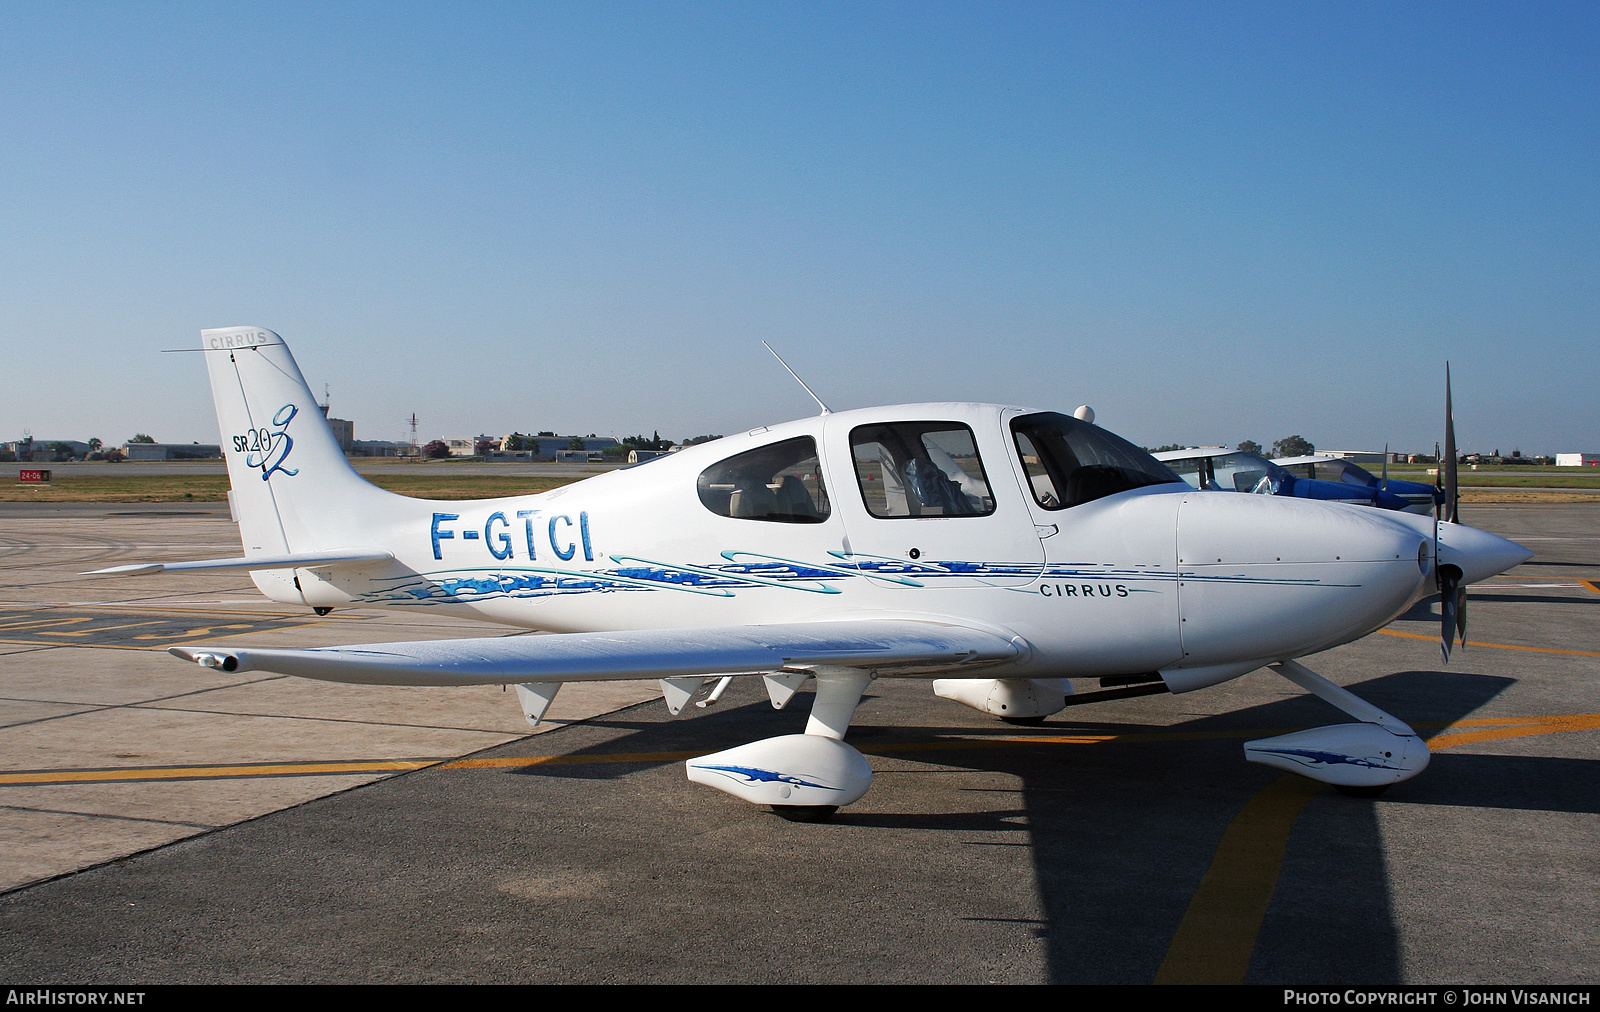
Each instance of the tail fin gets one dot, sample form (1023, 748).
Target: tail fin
(293, 489)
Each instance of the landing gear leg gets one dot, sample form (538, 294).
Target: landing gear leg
(838, 694)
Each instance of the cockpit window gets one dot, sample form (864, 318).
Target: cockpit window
(1333, 470)
(1243, 472)
(1234, 471)
(920, 469)
(1070, 462)
(781, 483)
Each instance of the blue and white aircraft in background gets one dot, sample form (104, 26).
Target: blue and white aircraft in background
(1216, 468)
(1009, 555)
(1420, 497)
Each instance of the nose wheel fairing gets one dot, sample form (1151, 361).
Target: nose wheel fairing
(1344, 755)
(1369, 756)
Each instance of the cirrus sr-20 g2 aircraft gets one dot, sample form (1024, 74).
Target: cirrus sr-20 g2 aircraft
(1001, 552)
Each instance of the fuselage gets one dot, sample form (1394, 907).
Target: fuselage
(939, 510)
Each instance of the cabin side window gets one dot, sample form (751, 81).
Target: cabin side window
(779, 483)
(920, 469)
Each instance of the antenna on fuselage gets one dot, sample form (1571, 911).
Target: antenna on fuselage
(797, 379)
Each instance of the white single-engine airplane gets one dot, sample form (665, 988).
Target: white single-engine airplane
(1001, 551)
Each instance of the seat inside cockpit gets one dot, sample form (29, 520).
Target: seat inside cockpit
(779, 483)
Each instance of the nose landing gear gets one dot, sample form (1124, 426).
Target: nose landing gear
(1360, 760)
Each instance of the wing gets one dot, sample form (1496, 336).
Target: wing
(339, 556)
(906, 646)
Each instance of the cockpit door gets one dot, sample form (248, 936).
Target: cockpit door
(931, 499)
(1111, 562)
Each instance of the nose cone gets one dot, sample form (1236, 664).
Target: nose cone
(1478, 554)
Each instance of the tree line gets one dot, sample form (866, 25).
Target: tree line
(1288, 446)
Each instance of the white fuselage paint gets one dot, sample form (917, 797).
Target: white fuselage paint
(1146, 580)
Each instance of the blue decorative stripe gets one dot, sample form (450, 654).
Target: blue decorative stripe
(1315, 757)
(724, 579)
(752, 774)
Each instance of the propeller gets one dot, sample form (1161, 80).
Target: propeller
(1452, 593)
(1447, 474)
(1452, 610)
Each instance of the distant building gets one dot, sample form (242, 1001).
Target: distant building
(171, 451)
(547, 447)
(1355, 456)
(38, 451)
(640, 456)
(1578, 460)
(469, 447)
(344, 431)
(378, 448)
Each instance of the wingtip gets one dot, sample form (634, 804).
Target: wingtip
(137, 569)
(206, 658)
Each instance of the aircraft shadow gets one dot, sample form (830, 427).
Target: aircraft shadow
(1122, 832)
(1427, 609)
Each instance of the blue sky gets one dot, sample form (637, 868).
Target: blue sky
(1213, 222)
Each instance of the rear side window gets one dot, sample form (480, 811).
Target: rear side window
(920, 469)
(779, 483)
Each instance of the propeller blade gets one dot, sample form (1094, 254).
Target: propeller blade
(1461, 616)
(1449, 599)
(1447, 472)
(1385, 485)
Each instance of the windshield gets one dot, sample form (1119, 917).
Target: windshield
(1069, 461)
(1333, 470)
(1351, 473)
(1231, 472)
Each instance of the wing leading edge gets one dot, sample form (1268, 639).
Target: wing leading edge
(906, 646)
(339, 556)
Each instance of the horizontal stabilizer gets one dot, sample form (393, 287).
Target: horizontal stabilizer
(909, 646)
(293, 560)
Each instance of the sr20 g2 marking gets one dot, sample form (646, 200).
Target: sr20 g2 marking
(267, 449)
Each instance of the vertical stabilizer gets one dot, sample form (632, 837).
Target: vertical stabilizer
(293, 489)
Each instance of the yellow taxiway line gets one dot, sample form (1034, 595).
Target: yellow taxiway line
(233, 771)
(1448, 734)
(1493, 646)
(1217, 935)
